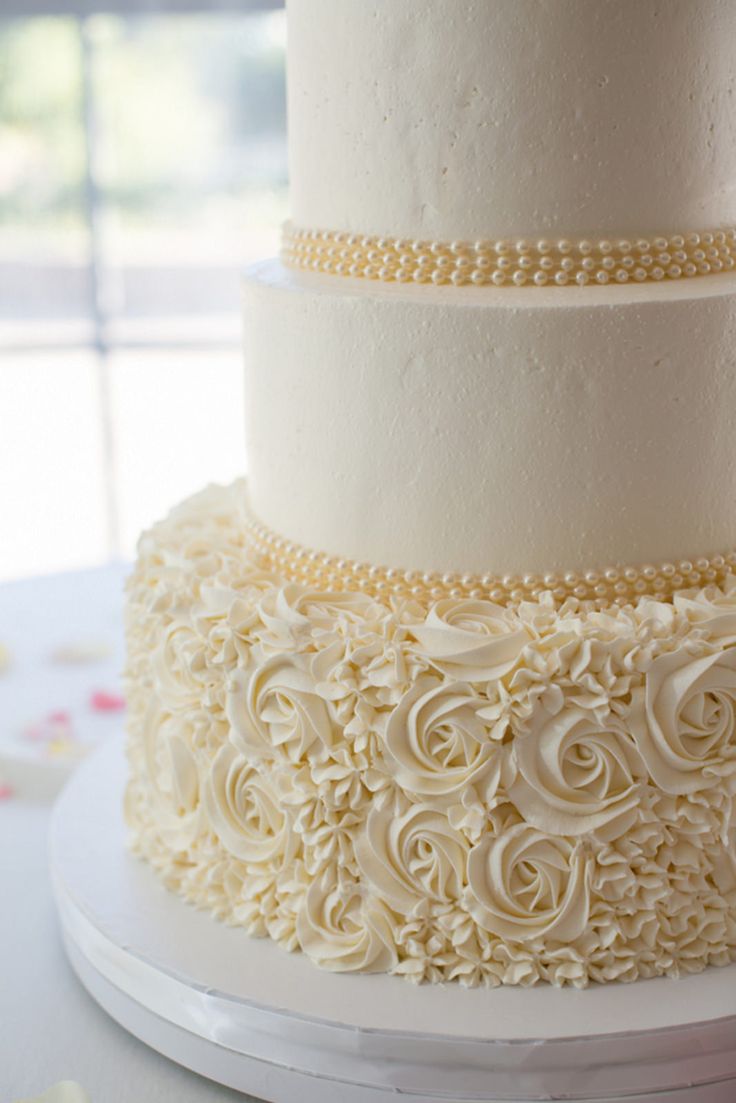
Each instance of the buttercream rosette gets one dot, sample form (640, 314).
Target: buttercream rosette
(462, 791)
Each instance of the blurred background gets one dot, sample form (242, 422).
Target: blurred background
(142, 166)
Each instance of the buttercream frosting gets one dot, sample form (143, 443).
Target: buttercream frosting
(451, 119)
(494, 431)
(496, 796)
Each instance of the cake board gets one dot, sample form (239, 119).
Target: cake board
(247, 1015)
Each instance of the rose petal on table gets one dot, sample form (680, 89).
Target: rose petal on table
(103, 701)
(6, 791)
(66, 1091)
(81, 651)
(65, 748)
(55, 725)
(59, 716)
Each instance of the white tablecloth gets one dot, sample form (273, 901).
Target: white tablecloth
(50, 1029)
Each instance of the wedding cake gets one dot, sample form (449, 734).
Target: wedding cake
(447, 689)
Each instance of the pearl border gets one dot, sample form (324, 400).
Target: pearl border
(619, 585)
(510, 263)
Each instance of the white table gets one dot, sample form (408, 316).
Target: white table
(50, 1029)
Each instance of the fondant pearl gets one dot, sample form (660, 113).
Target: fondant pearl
(460, 262)
(319, 569)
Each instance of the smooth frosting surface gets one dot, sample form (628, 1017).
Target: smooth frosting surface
(493, 118)
(466, 792)
(501, 430)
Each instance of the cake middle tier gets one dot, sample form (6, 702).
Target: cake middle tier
(492, 430)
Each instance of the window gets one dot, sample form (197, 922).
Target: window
(142, 165)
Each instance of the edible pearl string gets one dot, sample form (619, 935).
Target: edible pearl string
(510, 263)
(612, 585)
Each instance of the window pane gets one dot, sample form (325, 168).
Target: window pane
(52, 482)
(192, 164)
(187, 116)
(43, 239)
(178, 425)
(142, 165)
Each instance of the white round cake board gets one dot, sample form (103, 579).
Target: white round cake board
(243, 1012)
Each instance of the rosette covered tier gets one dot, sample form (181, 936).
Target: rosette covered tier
(448, 689)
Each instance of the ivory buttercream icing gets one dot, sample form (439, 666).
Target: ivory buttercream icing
(450, 691)
(505, 430)
(465, 791)
(448, 120)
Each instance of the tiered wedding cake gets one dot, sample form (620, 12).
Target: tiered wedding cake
(449, 688)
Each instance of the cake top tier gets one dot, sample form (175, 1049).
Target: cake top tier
(487, 119)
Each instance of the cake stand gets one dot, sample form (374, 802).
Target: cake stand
(246, 1014)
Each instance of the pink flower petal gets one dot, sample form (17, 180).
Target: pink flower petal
(6, 791)
(54, 725)
(60, 716)
(103, 701)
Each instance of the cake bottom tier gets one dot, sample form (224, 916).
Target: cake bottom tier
(447, 791)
